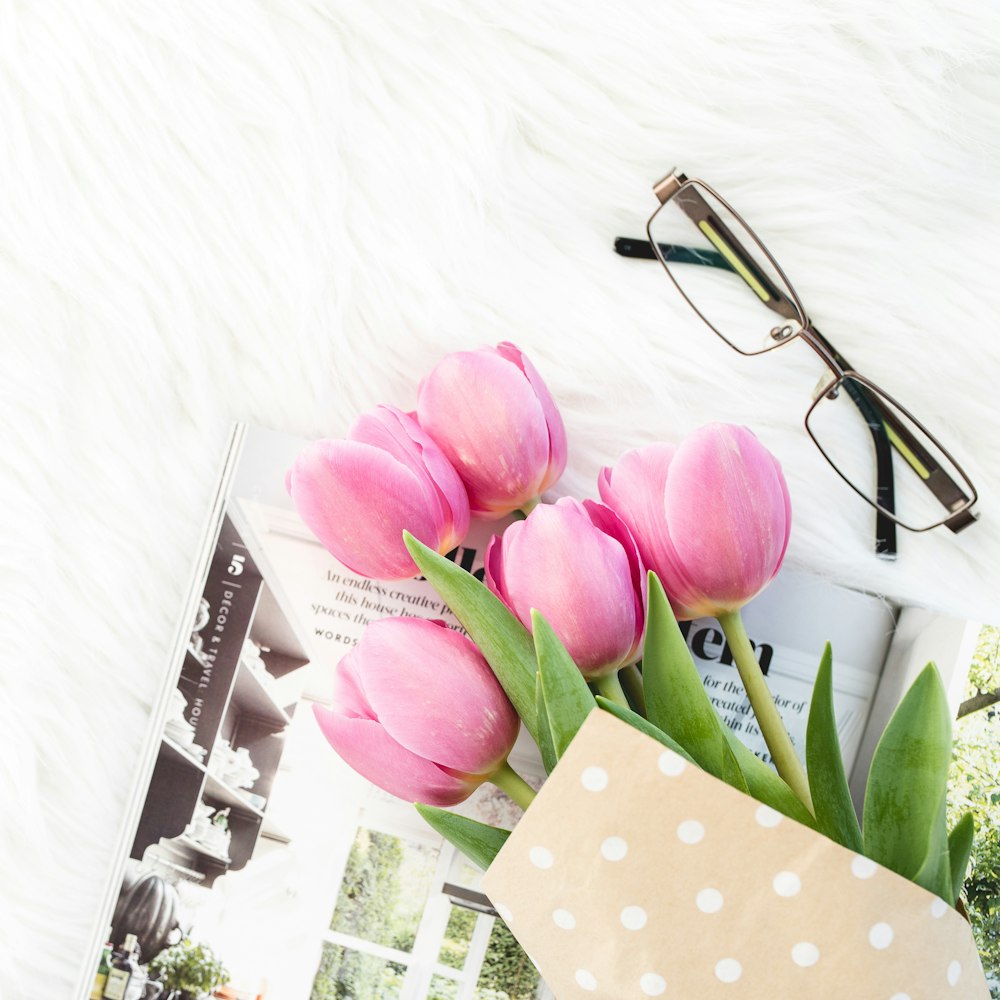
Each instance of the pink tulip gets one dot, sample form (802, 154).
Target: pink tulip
(711, 516)
(577, 564)
(418, 712)
(495, 420)
(357, 496)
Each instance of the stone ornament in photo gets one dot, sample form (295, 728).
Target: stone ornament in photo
(635, 874)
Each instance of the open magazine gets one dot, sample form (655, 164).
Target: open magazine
(249, 837)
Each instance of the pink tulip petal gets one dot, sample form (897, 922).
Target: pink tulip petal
(788, 514)
(578, 578)
(711, 517)
(387, 429)
(553, 419)
(436, 696)
(452, 498)
(490, 424)
(366, 747)
(727, 511)
(605, 519)
(399, 434)
(348, 689)
(634, 489)
(493, 562)
(357, 499)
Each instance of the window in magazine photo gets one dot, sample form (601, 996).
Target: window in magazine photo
(410, 921)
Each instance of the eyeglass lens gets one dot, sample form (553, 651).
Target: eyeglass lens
(736, 289)
(927, 482)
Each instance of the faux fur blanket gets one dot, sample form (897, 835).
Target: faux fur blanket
(285, 211)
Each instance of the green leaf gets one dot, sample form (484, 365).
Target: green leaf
(545, 745)
(636, 721)
(907, 781)
(479, 842)
(959, 851)
(835, 815)
(934, 874)
(502, 639)
(567, 698)
(676, 700)
(765, 784)
(630, 678)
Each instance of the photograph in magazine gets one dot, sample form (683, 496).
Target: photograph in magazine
(259, 865)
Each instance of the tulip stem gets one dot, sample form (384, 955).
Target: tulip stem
(631, 680)
(611, 687)
(775, 734)
(521, 513)
(513, 785)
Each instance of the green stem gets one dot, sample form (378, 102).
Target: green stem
(513, 785)
(631, 679)
(611, 687)
(522, 512)
(775, 734)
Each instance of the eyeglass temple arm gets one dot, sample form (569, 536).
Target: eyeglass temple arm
(643, 250)
(923, 464)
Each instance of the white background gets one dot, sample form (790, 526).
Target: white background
(286, 212)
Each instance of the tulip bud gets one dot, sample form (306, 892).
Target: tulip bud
(576, 563)
(493, 417)
(357, 496)
(711, 516)
(418, 712)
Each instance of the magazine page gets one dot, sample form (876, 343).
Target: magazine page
(253, 843)
(253, 840)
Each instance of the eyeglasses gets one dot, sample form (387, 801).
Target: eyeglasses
(726, 274)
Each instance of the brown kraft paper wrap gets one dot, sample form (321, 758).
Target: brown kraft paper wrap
(634, 874)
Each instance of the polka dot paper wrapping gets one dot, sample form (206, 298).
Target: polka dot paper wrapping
(636, 875)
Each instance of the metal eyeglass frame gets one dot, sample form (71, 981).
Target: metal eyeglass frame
(886, 430)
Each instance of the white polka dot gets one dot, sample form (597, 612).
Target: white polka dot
(652, 985)
(564, 919)
(862, 867)
(939, 908)
(954, 972)
(690, 831)
(880, 936)
(614, 849)
(633, 918)
(900, 996)
(709, 900)
(503, 912)
(728, 970)
(766, 816)
(805, 954)
(594, 779)
(787, 884)
(671, 764)
(585, 980)
(541, 857)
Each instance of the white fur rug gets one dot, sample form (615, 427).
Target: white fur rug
(285, 212)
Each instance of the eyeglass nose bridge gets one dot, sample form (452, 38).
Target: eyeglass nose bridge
(826, 386)
(836, 366)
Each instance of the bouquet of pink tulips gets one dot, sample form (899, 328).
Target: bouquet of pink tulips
(573, 632)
